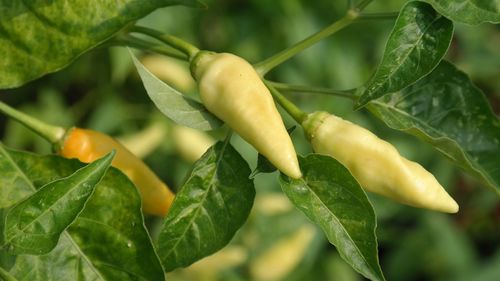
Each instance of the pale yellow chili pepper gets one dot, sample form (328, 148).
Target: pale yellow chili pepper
(232, 90)
(376, 164)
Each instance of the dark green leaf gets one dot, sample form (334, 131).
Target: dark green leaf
(107, 241)
(211, 206)
(263, 166)
(448, 111)
(469, 11)
(33, 226)
(181, 109)
(40, 37)
(417, 43)
(332, 198)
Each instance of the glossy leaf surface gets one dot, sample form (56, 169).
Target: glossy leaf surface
(212, 205)
(332, 198)
(469, 11)
(447, 110)
(40, 37)
(107, 241)
(419, 40)
(33, 226)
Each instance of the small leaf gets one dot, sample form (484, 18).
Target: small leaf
(447, 110)
(263, 166)
(176, 106)
(108, 239)
(417, 43)
(471, 12)
(332, 198)
(211, 206)
(34, 225)
(40, 37)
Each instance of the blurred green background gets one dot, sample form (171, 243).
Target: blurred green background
(102, 91)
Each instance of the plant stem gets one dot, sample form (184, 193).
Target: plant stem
(289, 106)
(53, 134)
(300, 88)
(362, 5)
(378, 16)
(4, 275)
(174, 42)
(266, 65)
(137, 43)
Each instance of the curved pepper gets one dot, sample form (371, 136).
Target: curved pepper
(376, 164)
(232, 90)
(89, 145)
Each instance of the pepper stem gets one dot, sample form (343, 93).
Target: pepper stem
(268, 64)
(53, 134)
(289, 106)
(300, 88)
(175, 42)
(131, 41)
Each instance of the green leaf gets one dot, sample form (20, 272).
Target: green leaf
(176, 106)
(14, 185)
(447, 110)
(263, 166)
(211, 206)
(5, 276)
(332, 198)
(40, 37)
(107, 241)
(468, 11)
(419, 40)
(33, 226)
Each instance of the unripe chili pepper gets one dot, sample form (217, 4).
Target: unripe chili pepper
(375, 163)
(89, 145)
(232, 90)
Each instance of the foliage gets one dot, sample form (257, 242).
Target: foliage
(426, 77)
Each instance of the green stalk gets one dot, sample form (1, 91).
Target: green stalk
(352, 14)
(174, 42)
(137, 43)
(362, 5)
(300, 88)
(53, 134)
(378, 16)
(289, 106)
(268, 64)
(4, 275)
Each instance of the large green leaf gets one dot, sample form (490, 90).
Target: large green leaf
(107, 241)
(211, 206)
(331, 197)
(448, 111)
(39, 37)
(419, 40)
(180, 108)
(33, 226)
(469, 11)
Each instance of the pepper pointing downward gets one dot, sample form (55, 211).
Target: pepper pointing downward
(88, 145)
(232, 90)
